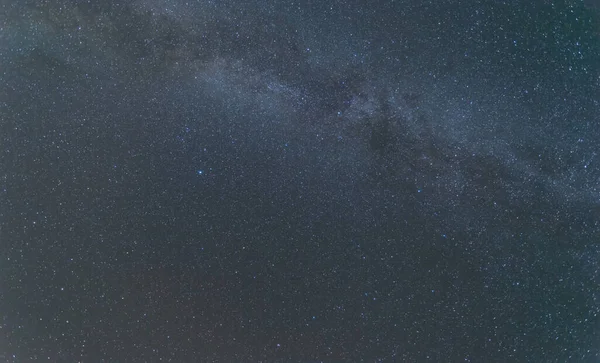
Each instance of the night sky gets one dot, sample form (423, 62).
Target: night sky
(300, 181)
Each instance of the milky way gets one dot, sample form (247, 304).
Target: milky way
(226, 181)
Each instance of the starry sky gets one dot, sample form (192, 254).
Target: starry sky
(300, 181)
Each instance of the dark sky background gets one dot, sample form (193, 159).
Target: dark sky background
(306, 181)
